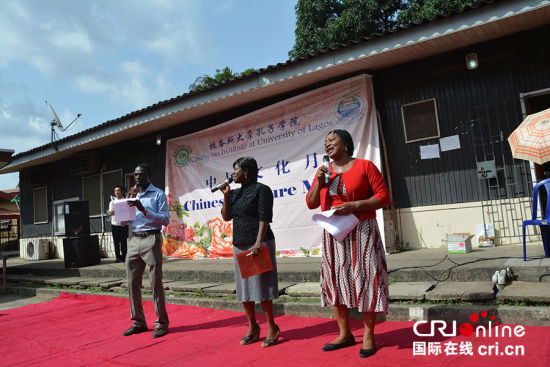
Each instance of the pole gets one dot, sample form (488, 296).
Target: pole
(4, 272)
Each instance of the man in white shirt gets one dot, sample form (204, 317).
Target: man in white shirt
(119, 231)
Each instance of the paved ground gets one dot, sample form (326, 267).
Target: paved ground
(12, 301)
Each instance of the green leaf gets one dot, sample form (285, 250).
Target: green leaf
(325, 24)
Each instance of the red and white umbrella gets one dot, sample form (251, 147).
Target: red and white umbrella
(531, 139)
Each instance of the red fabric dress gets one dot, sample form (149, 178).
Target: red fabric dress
(353, 272)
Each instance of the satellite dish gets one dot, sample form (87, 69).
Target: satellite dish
(56, 122)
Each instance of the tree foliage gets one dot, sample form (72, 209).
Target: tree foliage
(221, 76)
(418, 10)
(324, 24)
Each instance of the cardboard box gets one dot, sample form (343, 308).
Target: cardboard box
(485, 234)
(459, 243)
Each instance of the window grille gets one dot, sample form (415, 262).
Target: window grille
(40, 202)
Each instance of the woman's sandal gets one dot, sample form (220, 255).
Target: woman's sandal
(252, 338)
(271, 342)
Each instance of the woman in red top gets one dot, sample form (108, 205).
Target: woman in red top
(353, 272)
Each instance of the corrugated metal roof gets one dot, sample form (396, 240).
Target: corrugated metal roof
(9, 214)
(429, 37)
(6, 195)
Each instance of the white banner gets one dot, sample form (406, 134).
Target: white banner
(287, 141)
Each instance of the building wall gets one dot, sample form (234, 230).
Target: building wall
(507, 67)
(428, 226)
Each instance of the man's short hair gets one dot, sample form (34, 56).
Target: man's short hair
(146, 167)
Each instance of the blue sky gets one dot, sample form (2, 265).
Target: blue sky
(106, 58)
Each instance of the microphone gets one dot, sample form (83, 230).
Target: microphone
(132, 193)
(326, 161)
(219, 186)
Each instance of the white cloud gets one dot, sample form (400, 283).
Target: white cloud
(72, 41)
(22, 122)
(91, 85)
(63, 35)
(135, 85)
(125, 50)
(37, 123)
(132, 68)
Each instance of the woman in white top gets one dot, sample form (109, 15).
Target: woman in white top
(120, 232)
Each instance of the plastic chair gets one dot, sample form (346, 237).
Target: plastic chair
(545, 222)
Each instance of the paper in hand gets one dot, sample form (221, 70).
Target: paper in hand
(123, 211)
(337, 225)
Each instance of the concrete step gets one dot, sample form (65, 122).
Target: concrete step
(525, 292)
(462, 291)
(406, 291)
(445, 292)
(425, 265)
(523, 315)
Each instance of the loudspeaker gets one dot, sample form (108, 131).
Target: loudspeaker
(81, 251)
(77, 218)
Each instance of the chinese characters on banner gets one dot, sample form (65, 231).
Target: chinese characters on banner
(287, 141)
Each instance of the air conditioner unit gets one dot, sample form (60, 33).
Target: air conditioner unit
(37, 249)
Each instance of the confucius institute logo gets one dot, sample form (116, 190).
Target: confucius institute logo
(348, 108)
(182, 156)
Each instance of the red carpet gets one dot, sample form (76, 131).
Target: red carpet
(86, 331)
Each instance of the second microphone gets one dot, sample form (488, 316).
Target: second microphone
(219, 186)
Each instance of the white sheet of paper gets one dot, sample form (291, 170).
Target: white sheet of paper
(449, 143)
(337, 225)
(123, 211)
(429, 151)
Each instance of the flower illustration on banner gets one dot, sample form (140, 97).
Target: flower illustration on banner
(189, 234)
(175, 206)
(222, 238)
(186, 250)
(199, 236)
(211, 239)
(180, 240)
(169, 246)
(288, 253)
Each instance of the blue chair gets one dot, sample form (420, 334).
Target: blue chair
(542, 223)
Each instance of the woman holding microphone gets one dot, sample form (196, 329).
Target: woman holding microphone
(251, 208)
(353, 271)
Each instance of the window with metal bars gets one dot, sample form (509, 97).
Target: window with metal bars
(40, 203)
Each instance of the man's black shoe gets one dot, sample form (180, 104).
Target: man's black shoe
(346, 343)
(158, 332)
(134, 329)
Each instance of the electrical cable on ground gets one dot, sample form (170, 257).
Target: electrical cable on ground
(446, 257)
